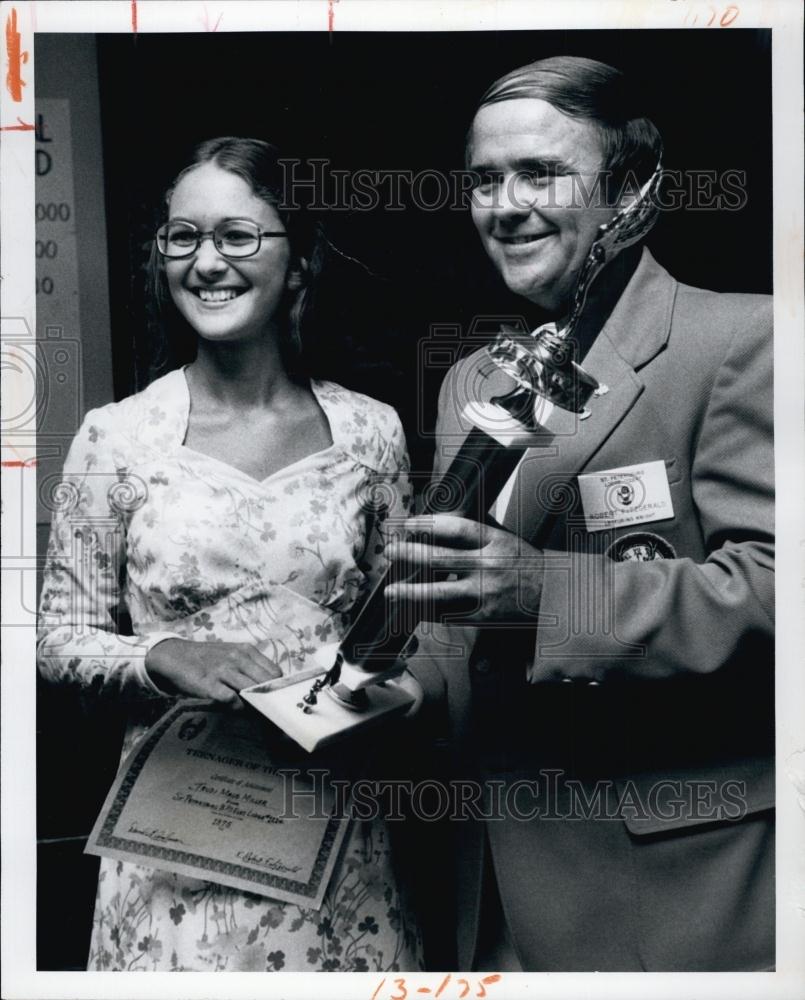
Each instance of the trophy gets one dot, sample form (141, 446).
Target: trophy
(350, 692)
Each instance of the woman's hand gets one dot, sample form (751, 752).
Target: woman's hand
(213, 670)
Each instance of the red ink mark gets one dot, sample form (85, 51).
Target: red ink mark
(28, 463)
(22, 127)
(444, 983)
(16, 58)
(134, 16)
(206, 20)
(734, 11)
(463, 984)
(331, 15)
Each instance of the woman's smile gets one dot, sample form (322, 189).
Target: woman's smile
(217, 296)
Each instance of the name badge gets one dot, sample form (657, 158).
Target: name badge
(633, 494)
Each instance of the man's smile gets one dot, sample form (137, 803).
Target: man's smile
(523, 239)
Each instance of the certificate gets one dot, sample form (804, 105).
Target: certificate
(206, 794)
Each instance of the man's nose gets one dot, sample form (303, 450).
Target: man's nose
(516, 195)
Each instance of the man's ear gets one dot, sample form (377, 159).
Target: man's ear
(297, 273)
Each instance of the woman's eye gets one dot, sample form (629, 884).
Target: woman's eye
(182, 237)
(238, 237)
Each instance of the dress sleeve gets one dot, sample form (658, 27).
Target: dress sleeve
(86, 561)
(683, 616)
(388, 499)
(395, 504)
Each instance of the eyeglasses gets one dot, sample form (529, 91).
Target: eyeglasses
(236, 238)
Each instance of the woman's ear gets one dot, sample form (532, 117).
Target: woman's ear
(297, 273)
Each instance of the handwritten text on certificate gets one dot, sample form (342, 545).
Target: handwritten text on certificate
(203, 794)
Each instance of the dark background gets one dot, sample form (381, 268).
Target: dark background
(404, 101)
(373, 102)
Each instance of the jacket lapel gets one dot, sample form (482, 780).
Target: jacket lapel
(636, 331)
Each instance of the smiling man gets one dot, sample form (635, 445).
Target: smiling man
(535, 168)
(611, 681)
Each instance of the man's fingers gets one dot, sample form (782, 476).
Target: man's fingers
(447, 529)
(418, 555)
(435, 599)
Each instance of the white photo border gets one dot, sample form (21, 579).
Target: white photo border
(784, 17)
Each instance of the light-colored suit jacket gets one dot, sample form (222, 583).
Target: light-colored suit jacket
(639, 672)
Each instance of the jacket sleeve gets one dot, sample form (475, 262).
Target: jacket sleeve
(670, 617)
(77, 640)
(438, 649)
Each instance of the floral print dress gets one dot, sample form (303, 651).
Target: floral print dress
(194, 548)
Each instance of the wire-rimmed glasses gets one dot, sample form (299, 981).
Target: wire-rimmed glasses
(234, 238)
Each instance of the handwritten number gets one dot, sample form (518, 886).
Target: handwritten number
(731, 11)
(728, 15)
(487, 980)
(402, 986)
(445, 981)
(464, 983)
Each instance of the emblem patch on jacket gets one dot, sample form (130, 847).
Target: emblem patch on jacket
(632, 494)
(640, 546)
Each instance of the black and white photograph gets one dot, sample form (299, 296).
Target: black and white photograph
(421, 625)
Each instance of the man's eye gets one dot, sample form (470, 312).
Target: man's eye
(541, 176)
(487, 179)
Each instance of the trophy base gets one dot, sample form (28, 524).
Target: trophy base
(333, 718)
(355, 701)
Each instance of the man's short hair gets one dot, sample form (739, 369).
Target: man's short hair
(595, 92)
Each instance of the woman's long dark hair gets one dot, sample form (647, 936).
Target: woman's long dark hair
(173, 340)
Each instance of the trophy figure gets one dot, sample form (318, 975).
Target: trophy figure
(350, 692)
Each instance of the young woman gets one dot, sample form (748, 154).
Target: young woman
(224, 507)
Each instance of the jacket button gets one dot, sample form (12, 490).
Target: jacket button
(483, 666)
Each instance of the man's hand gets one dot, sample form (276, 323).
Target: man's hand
(215, 670)
(494, 575)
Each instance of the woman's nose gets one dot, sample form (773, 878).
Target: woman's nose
(207, 258)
